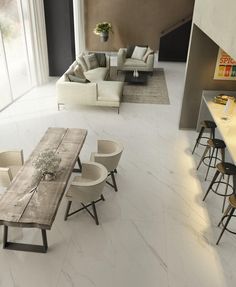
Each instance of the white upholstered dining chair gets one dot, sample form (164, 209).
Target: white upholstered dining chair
(108, 154)
(87, 189)
(10, 163)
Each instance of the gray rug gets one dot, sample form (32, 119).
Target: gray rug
(154, 92)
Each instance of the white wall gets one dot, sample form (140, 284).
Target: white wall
(217, 18)
(213, 26)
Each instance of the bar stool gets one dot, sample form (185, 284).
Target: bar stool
(214, 145)
(222, 169)
(229, 213)
(205, 125)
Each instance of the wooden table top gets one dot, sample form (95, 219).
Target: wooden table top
(19, 207)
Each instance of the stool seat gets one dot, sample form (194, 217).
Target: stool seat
(209, 124)
(216, 143)
(226, 168)
(223, 168)
(229, 213)
(213, 146)
(232, 200)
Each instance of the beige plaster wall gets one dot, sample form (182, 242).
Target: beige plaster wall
(134, 21)
(217, 19)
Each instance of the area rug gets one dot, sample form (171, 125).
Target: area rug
(154, 92)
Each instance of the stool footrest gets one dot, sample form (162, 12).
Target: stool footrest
(222, 194)
(213, 159)
(226, 228)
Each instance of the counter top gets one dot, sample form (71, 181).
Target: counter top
(226, 127)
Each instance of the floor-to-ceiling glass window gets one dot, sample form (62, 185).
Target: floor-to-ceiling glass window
(14, 59)
(5, 89)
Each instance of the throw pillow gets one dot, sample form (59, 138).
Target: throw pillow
(73, 78)
(129, 51)
(78, 71)
(66, 78)
(101, 57)
(91, 61)
(138, 53)
(70, 71)
(148, 52)
(81, 61)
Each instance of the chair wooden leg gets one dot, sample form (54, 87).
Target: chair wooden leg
(95, 213)
(67, 210)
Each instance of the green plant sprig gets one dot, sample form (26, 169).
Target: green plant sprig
(102, 27)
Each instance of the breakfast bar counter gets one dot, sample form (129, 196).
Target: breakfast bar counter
(226, 127)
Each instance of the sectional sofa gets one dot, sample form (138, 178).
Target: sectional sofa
(97, 91)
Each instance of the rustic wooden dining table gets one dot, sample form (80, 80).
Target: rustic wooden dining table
(20, 207)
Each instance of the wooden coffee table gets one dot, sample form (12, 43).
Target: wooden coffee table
(140, 80)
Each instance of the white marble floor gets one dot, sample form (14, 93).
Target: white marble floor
(155, 231)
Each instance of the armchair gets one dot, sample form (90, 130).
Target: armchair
(87, 189)
(10, 163)
(130, 64)
(108, 154)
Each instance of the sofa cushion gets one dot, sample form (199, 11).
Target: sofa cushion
(101, 58)
(78, 71)
(96, 75)
(91, 61)
(110, 91)
(134, 63)
(148, 52)
(81, 61)
(139, 52)
(129, 51)
(69, 71)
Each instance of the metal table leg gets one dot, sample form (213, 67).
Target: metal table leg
(23, 246)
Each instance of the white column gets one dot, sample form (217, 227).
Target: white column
(79, 30)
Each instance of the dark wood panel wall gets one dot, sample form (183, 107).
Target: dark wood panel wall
(60, 35)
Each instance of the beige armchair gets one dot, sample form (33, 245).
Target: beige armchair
(108, 154)
(129, 64)
(10, 163)
(87, 189)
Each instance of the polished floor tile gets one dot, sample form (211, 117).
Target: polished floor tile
(155, 231)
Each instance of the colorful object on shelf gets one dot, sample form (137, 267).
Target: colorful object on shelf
(225, 67)
(222, 99)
